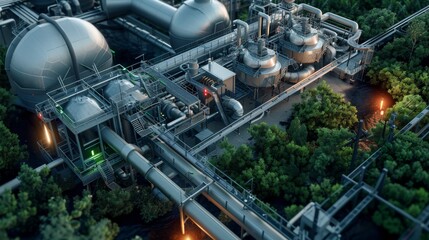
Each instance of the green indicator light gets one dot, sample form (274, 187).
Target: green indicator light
(92, 152)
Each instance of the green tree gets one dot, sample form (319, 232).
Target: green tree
(407, 161)
(375, 21)
(10, 152)
(113, 203)
(149, 206)
(78, 223)
(416, 31)
(40, 186)
(407, 109)
(14, 211)
(322, 107)
(298, 132)
(333, 154)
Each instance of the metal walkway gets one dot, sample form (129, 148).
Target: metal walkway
(267, 105)
(394, 28)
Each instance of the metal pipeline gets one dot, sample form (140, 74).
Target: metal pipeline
(67, 8)
(330, 33)
(233, 106)
(345, 21)
(268, 19)
(153, 10)
(14, 183)
(225, 201)
(295, 77)
(330, 54)
(176, 121)
(240, 39)
(76, 4)
(212, 226)
(311, 9)
(307, 8)
(144, 34)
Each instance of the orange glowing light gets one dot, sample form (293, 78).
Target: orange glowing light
(187, 237)
(381, 104)
(382, 113)
(47, 135)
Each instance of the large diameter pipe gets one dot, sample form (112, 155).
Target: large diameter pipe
(226, 202)
(295, 77)
(240, 36)
(345, 21)
(153, 10)
(268, 19)
(311, 9)
(212, 226)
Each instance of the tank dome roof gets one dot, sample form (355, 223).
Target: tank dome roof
(38, 58)
(81, 108)
(196, 19)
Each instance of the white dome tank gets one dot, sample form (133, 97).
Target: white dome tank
(81, 108)
(38, 57)
(196, 19)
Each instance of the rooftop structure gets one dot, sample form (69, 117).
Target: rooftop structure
(102, 117)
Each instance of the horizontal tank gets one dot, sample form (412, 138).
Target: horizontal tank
(196, 19)
(38, 59)
(82, 108)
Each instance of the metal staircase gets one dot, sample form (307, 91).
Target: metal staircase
(108, 175)
(138, 124)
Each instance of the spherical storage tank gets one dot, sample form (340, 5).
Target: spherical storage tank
(196, 19)
(38, 58)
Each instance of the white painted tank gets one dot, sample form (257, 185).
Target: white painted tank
(81, 108)
(38, 59)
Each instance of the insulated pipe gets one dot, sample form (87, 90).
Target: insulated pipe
(295, 77)
(176, 121)
(211, 225)
(243, 37)
(153, 10)
(76, 4)
(311, 9)
(268, 19)
(225, 201)
(67, 8)
(345, 21)
(234, 106)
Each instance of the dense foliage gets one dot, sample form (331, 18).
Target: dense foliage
(290, 165)
(407, 187)
(40, 206)
(364, 11)
(322, 107)
(402, 66)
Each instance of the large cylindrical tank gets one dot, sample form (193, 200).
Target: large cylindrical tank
(196, 19)
(38, 58)
(303, 43)
(261, 66)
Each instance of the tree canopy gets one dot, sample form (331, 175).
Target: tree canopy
(322, 107)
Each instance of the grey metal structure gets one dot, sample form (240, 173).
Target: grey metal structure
(39, 61)
(97, 120)
(212, 226)
(193, 20)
